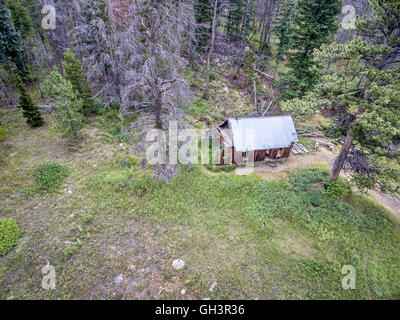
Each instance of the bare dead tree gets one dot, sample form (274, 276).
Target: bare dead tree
(210, 52)
(159, 33)
(5, 91)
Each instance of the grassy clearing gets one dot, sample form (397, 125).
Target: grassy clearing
(257, 239)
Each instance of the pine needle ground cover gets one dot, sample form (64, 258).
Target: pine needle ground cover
(118, 232)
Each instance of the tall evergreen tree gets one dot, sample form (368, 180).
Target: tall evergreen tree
(11, 49)
(203, 10)
(360, 86)
(73, 72)
(67, 112)
(283, 26)
(21, 17)
(315, 24)
(365, 93)
(234, 16)
(31, 111)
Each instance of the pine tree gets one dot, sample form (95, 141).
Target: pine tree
(11, 49)
(67, 112)
(20, 17)
(31, 111)
(203, 14)
(74, 73)
(362, 84)
(315, 24)
(283, 26)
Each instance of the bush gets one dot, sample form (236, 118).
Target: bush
(119, 133)
(199, 108)
(219, 117)
(127, 161)
(111, 112)
(213, 76)
(304, 179)
(3, 134)
(50, 176)
(337, 188)
(9, 235)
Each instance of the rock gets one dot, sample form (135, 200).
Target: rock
(178, 264)
(118, 279)
(240, 107)
(131, 267)
(213, 286)
(71, 215)
(22, 241)
(68, 190)
(165, 172)
(206, 299)
(225, 89)
(143, 163)
(44, 109)
(183, 291)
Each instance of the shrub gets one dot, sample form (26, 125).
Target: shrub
(362, 182)
(199, 108)
(219, 117)
(213, 76)
(50, 176)
(9, 235)
(3, 134)
(337, 188)
(303, 180)
(119, 133)
(235, 77)
(127, 161)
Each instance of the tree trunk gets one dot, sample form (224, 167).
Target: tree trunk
(340, 160)
(211, 50)
(242, 53)
(158, 109)
(158, 117)
(56, 52)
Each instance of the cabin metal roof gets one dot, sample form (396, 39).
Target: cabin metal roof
(269, 133)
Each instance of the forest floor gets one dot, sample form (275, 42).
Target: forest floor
(112, 232)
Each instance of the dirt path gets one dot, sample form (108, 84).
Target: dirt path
(321, 158)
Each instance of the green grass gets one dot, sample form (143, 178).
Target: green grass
(216, 169)
(246, 217)
(283, 239)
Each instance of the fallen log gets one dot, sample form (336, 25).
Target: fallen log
(265, 75)
(328, 144)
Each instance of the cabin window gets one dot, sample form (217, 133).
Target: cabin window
(244, 154)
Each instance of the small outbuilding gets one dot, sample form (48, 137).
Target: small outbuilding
(264, 138)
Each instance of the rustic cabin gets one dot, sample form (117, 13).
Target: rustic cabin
(264, 138)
